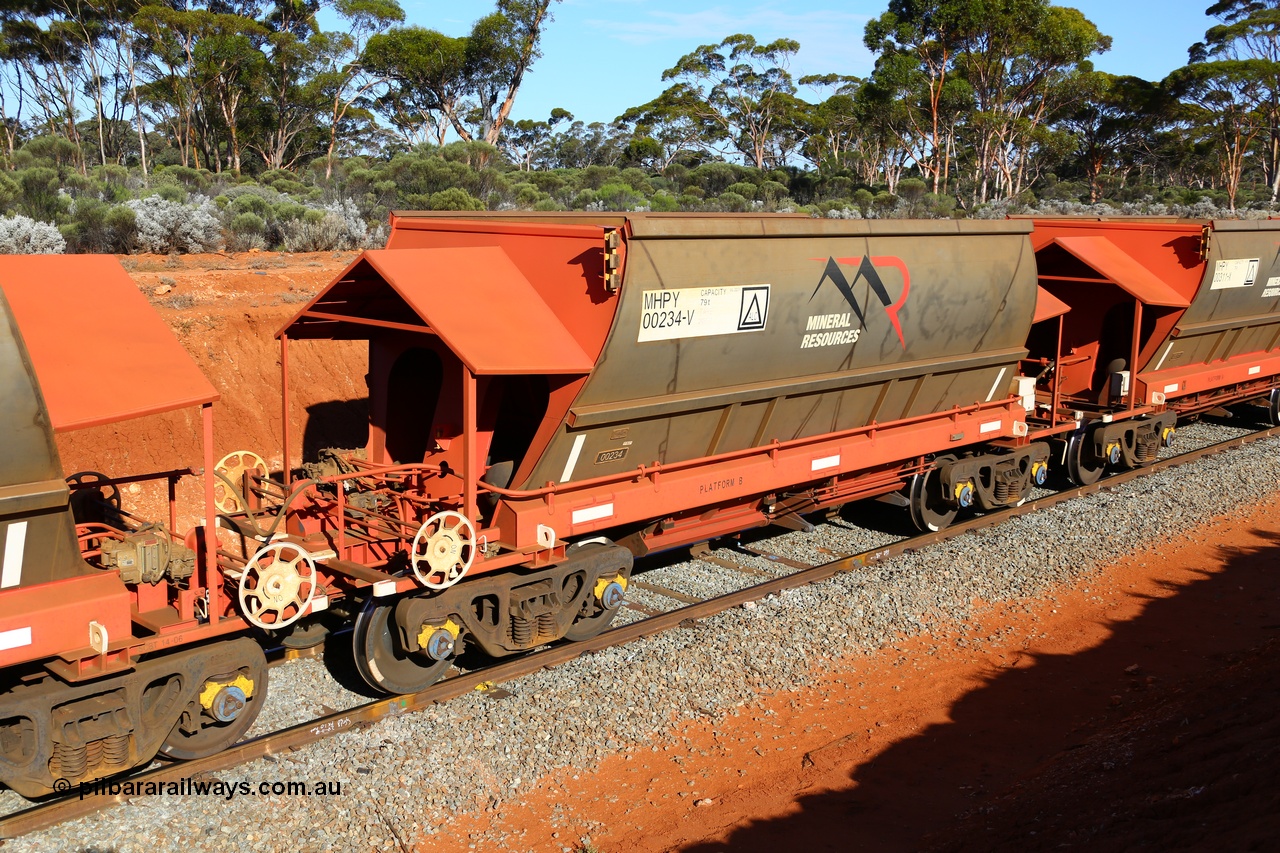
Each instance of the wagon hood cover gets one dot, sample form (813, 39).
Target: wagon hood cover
(1113, 263)
(100, 352)
(474, 298)
(1048, 306)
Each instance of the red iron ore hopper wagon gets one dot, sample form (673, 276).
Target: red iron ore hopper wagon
(551, 396)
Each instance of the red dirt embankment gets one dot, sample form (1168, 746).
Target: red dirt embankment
(226, 310)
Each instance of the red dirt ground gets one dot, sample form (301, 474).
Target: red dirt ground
(1138, 709)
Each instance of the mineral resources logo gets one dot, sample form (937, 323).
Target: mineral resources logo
(837, 329)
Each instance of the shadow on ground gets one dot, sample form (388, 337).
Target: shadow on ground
(1166, 736)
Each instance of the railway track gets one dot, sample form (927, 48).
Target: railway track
(690, 609)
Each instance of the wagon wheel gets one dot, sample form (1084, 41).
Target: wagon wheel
(94, 497)
(443, 550)
(229, 498)
(382, 661)
(277, 586)
(930, 511)
(596, 614)
(225, 708)
(1084, 466)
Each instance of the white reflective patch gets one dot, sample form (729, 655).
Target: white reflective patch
(695, 312)
(15, 545)
(1164, 355)
(592, 513)
(573, 458)
(995, 385)
(1254, 371)
(1169, 389)
(989, 426)
(15, 639)
(825, 462)
(320, 602)
(1234, 272)
(381, 588)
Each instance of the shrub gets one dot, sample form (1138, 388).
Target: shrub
(172, 192)
(455, 198)
(713, 178)
(618, 196)
(663, 201)
(99, 227)
(527, 195)
(338, 227)
(863, 198)
(166, 226)
(732, 202)
(22, 235)
(246, 232)
(772, 192)
(254, 204)
(286, 211)
(39, 197)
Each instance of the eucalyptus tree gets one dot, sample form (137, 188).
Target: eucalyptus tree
(468, 83)
(500, 50)
(917, 120)
(427, 83)
(290, 98)
(1023, 61)
(344, 76)
(678, 122)
(1249, 33)
(201, 70)
(1224, 101)
(526, 140)
(102, 32)
(746, 89)
(831, 127)
(48, 52)
(1113, 124)
(917, 41)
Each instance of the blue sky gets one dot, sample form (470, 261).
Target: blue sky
(602, 56)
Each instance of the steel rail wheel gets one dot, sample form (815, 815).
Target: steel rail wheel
(598, 610)
(930, 510)
(1084, 467)
(380, 659)
(224, 709)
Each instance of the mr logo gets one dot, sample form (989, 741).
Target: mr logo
(867, 270)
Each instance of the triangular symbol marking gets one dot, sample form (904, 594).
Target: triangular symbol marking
(752, 315)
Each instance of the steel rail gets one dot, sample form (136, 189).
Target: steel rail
(56, 811)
